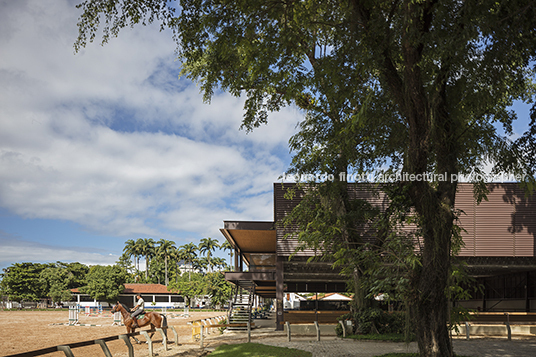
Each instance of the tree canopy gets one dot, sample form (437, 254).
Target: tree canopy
(414, 87)
(105, 283)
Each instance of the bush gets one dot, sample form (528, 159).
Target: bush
(375, 321)
(222, 329)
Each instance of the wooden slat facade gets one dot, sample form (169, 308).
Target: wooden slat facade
(504, 225)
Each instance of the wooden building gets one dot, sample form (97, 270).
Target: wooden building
(499, 236)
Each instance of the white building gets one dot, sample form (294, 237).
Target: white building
(155, 296)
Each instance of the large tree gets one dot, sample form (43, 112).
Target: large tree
(59, 278)
(422, 86)
(105, 283)
(22, 281)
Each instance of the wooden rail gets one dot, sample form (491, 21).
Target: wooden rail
(201, 330)
(67, 348)
(309, 317)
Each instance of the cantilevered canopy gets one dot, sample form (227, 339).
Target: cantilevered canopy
(256, 244)
(255, 241)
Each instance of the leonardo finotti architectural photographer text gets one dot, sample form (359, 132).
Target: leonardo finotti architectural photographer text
(403, 176)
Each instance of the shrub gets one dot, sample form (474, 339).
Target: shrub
(375, 321)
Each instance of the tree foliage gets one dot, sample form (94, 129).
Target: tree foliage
(105, 283)
(59, 278)
(34, 281)
(189, 285)
(21, 281)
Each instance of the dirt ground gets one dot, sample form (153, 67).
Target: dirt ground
(28, 330)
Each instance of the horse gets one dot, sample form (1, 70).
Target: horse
(154, 319)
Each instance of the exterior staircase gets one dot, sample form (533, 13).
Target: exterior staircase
(240, 307)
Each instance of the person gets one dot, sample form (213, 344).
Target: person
(138, 309)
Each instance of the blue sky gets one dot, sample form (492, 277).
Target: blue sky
(109, 145)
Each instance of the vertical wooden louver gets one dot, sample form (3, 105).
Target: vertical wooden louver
(501, 226)
(504, 225)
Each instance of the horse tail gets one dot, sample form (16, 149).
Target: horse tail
(164, 321)
(164, 324)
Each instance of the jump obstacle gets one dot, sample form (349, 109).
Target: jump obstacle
(73, 315)
(93, 311)
(74, 312)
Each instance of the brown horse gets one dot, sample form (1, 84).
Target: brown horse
(154, 319)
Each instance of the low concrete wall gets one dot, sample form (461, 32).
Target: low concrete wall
(497, 330)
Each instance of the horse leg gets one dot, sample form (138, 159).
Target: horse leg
(132, 330)
(152, 328)
(135, 339)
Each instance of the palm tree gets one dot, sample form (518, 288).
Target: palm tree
(208, 245)
(219, 262)
(201, 263)
(165, 248)
(175, 255)
(148, 250)
(131, 251)
(227, 246)
(188, 254)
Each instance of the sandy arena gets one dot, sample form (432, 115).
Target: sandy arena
(28, 330)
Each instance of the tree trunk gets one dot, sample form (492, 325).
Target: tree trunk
(429, 306)
(165, 262)
(146, 268)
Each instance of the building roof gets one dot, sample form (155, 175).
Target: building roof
(146, 289)
(141, 289)
(332, 297)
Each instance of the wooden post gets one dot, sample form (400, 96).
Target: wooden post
(288, 330)
(201, 337)
(176, 335)
(249, 332)
(508, 327)
(317, 331)
(105, 348)
(343, 328)
(164, 338)
(67, 350)
(126, 338)
(149, 342)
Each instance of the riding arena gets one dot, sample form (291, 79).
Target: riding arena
(28, 330)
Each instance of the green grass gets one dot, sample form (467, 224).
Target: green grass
(255, 349)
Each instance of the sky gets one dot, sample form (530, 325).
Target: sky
(109, 144)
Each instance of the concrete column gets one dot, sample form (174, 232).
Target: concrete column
(279, 291)
(236, 260)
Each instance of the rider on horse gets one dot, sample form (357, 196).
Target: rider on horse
(138, 309)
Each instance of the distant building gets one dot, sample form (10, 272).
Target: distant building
(155, 296)
(292, 301)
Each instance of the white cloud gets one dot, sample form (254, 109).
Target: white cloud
(111, 139)
(17, 250)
